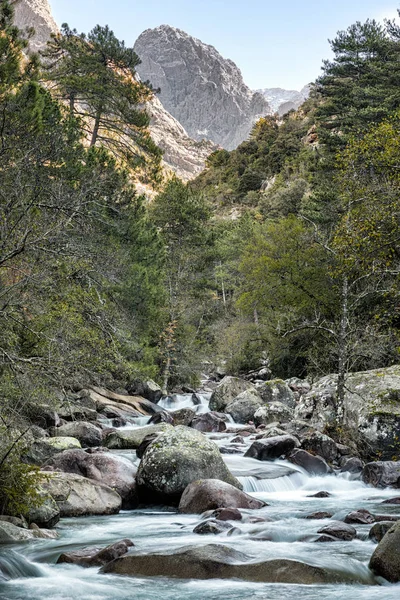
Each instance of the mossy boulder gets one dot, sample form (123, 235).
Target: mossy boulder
(385, 561)
(227, 390)
(244, 406)
(372, 409)
(130, 439)
(276, 390)
(40, 451)
(179, 456)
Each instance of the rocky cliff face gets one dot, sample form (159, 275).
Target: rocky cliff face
(202, 90)
(36, 14)
(281, 101)
(183, 155)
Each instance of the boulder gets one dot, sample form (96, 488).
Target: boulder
(215, 561)
(382, 474)
(212, 526)
(40, 451)
(277, 390)
(179, 456)
(273, 412)
(94, 556)
(385, 561)
(130, 439)
(299, 387)
(227, 514)
(372, 407)
(183, 416)
(319, 515)
(78, 496)
(351, 464)
(272, 448)
(379, 530)
(315, 465)
(149, 389)
(226, 391)
(392, 501)
(112, 470)
(12, 533)
(244, 406)
(321, 494)
(161, 417)
(211, 494)
(149, 439)
(272, 430)
(88, 434)
(46, 515)
(339, 530)
(210, 422)
(361, 516)
(320, 444)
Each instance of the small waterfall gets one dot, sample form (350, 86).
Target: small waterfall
(15, 566)
(286, 483)
(197, 402)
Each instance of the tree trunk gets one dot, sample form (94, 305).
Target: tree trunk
(342, 352)
(96, 127)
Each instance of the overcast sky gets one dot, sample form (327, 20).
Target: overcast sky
(275, 43)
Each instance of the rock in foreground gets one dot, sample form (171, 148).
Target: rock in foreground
(214, 561)
(385, 561)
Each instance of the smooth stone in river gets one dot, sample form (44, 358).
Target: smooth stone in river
(210, 494)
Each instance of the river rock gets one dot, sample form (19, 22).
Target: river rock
(12, 533)
(149, 389)
(227, 390)
(78, 496)
(382, 474)
(183, 416)
(276, 390)
(379, 530)
(273, 412)
(40, 451)
(385, 561)
(362, 516)
(94, 556)
(46, 515)
(130, 439)
(215, 561)
(210, 494)
(392, 501)
(351, 464)
(88, 434)
(312, 464)
(112, 470)
(149, 439)
(272, 448)
(212, 526)
(320, 444)
(319, 515)
(179, 456)
(271, 430)
(339, 530)
(227, 514)
(162, 417)
(210, 422)
(372, 406)
(244, 406)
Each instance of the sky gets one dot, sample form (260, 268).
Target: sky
(274, 43)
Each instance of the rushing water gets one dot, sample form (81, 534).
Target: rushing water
(32, 574)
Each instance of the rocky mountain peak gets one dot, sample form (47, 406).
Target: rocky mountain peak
(201, 89)
(36, 14)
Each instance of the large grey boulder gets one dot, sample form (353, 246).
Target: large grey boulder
(372, 408)
(78, 496)
(46, 515)
(201, 89)
(277, 390)
(112, 470)
(227, 390)
(315, 465)
(339, 530)
(149, 389)
(12, 533)
(320, 444)
(94, 556)
(40, 451)
(130, 439)
(272, 448)
(210, 494)
(215, 561)
(244, 406)
(209, 422)
(88, 434)
(179, 456)
(385, 561)
(382, 474)
(272, 413)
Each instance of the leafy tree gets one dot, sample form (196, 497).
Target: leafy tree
(96, 74)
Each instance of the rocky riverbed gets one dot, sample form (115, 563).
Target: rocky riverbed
(256, 525)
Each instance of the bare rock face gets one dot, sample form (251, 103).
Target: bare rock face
(202, 90)
(36, 14)
(281, 101)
